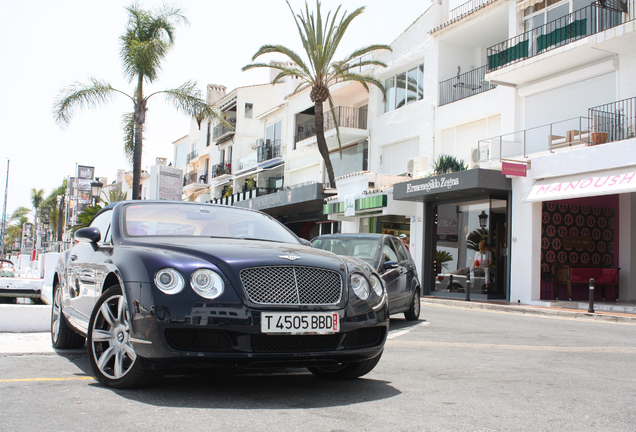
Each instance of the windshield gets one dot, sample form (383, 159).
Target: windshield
(187, 220)
(357, 247)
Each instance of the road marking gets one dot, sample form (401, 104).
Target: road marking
(464, 345)
(397, 333)
(46, 379)
(537, 314)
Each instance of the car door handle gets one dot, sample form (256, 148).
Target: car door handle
(73, 257)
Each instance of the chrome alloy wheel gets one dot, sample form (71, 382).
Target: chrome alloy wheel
(112, 350)
(56, 313)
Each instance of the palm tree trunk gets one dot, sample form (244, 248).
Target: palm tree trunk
(321, 142)
(140, 118)
(60, 218)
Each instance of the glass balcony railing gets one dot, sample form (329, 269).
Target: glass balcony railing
(605, 123)
(355, 118)
(464, 85)
(584, 22)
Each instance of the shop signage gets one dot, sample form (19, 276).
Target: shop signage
(433, 184)
(350, 205)
(513, 169)
(618, 181)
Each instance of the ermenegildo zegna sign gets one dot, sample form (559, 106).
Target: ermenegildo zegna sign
(468, 182)
(433, 184)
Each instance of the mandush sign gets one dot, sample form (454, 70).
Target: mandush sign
(615, 182)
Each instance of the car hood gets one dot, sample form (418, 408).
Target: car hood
(238, 254)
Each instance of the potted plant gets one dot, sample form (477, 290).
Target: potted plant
(441, 258)
(447, 164)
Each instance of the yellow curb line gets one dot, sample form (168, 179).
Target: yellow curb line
(45, 379)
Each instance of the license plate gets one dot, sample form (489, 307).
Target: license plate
(300, 322)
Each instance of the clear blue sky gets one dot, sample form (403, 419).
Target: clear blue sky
(48, 45)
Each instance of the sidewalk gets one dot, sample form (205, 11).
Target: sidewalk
(603, 311)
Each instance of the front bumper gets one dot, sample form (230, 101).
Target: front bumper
(234, 339)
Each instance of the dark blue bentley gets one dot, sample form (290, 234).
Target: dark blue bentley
(157, 284)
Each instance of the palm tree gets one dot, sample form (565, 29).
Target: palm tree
(320, 42)
(53, 209)
(14, 232)
(37, 197)
(148, 38)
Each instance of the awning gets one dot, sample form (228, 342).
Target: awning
(523, 4)
(608, 182)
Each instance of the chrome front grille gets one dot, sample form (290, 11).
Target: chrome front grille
(291, 285)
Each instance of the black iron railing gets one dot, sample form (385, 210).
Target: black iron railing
(192, 155)
(222, 168)
(223, 130)
(613, 121)
(464, 85)
(465, 8)
(584, 22)
(267, 151)
(194, 177)
(355, 118)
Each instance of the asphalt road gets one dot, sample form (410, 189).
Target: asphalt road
(455, 370)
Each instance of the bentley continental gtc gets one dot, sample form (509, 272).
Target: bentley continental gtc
(154, 285)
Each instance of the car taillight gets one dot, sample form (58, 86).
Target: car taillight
(440, 278)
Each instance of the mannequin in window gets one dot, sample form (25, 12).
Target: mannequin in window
(482, 263)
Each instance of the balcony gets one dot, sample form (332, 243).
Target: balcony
(192, 156)
(350, 122)
(195, 181)
(464, 85)
(268, 150)
(606, 123)
(222, 132)
(222, 169)
(613, 121)
(247, 163)
(467, 8)
(538, 43)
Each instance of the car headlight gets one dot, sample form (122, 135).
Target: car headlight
(360, 286)
(169, 280)
(207, 283)
(377, 286)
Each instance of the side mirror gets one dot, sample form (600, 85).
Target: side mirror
(88, 235)
(390, 264)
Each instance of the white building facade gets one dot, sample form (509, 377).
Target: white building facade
(536, 99)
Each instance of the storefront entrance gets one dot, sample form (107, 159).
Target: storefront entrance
(466, 230)
(469, 240)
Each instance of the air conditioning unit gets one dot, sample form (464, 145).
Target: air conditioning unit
(479, 154)
(416, 165)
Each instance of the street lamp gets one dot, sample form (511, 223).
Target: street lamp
(483, 217)
(96, 190)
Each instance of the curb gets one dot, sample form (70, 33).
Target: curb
(535, 310)
(24, 318)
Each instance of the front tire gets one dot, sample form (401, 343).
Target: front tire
(346, 371)
(413, 313)
(110, 351)
(62, 335)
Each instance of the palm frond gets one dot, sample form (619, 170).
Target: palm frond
(78, 96)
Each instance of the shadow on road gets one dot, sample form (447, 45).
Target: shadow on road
(279, 390)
